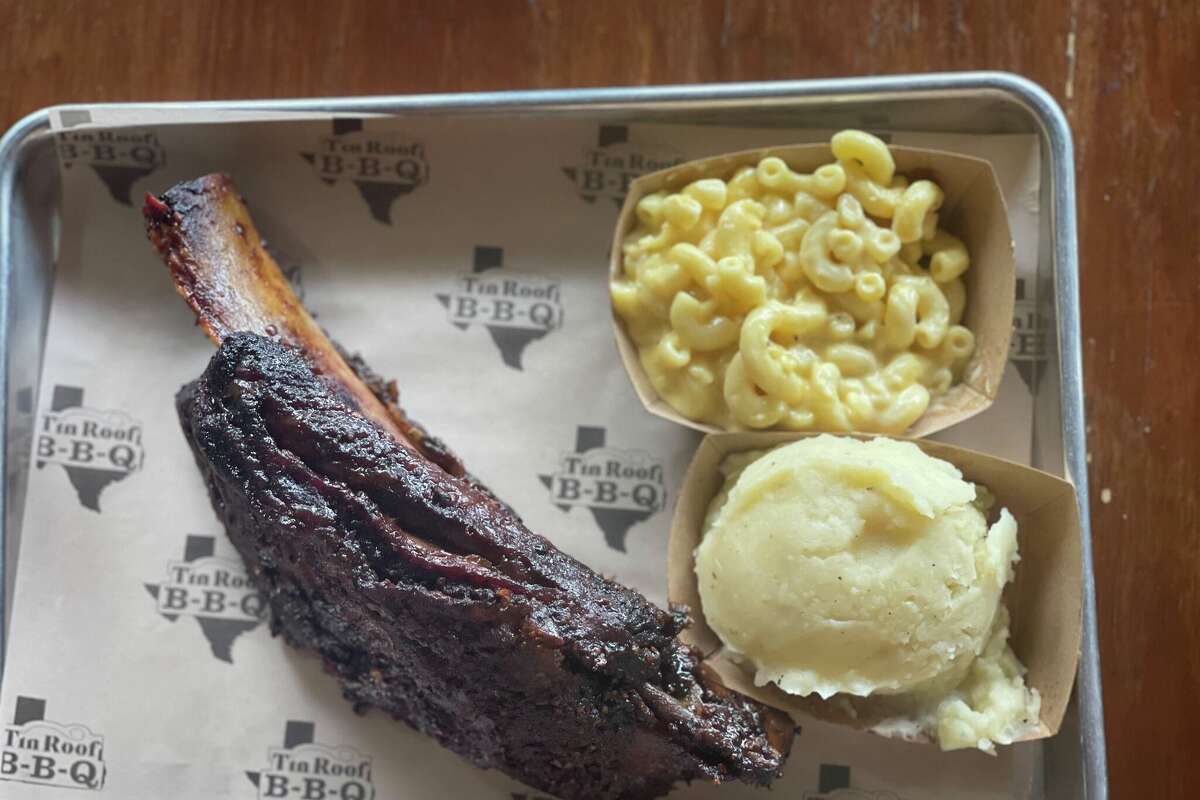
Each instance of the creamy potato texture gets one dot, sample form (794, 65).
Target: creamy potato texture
(836, 566)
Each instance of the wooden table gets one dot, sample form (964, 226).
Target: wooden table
(1127, 74)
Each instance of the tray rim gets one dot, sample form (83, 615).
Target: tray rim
(1043, 110)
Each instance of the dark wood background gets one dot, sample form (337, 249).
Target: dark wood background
(1128, 75)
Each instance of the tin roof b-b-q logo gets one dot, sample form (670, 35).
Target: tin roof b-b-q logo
(383, 166)
(619, 487)
(215, 591)
(606, 169)
(95, 447)
(833, 783)
(38, 751)
(1029, 346)
(119, 157)
(304, 769)
(514, 308)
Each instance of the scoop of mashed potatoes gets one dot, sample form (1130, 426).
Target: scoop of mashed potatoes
(835, 566)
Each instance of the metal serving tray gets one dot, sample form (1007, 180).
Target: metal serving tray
(969, 102)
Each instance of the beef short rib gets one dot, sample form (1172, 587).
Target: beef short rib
(423, 594)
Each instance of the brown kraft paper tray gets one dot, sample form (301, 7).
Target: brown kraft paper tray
(1045, 598)
(973, 209)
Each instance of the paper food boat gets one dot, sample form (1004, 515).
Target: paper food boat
(973, 210)
(1045, 599)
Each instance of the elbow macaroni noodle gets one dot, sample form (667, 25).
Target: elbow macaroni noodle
(829, 301)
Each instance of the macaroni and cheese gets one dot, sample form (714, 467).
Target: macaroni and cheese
(775, 299)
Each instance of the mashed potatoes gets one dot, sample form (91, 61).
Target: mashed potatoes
(842, 567)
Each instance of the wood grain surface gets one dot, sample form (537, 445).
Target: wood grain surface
(1128, 75)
